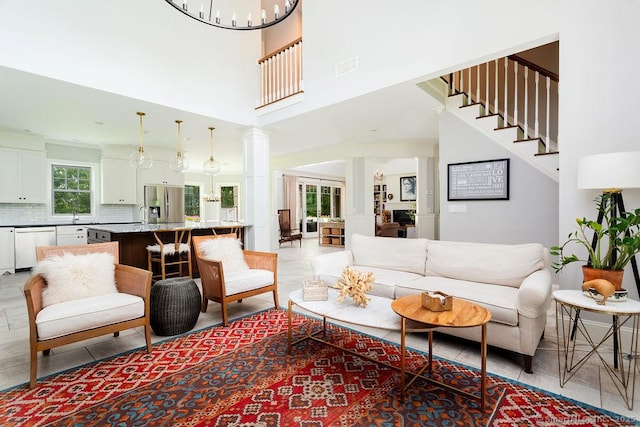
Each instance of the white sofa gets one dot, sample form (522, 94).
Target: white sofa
(512, 281)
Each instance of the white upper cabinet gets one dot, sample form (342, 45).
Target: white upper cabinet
(161, 173)
(118, 182)
(22, 176)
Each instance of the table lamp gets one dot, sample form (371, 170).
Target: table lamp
(611, 173)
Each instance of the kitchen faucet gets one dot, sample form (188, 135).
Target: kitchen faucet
(74, 212)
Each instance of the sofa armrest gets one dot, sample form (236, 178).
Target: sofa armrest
(331, 263)
(534, 295)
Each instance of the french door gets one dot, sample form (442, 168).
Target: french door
(319, 203)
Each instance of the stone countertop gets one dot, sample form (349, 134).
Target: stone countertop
(145, 228)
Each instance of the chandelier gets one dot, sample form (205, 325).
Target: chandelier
(211, 166)
(140, 159)
(179, 163)
(229, 14)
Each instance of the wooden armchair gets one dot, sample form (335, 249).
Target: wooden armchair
(287, 234)
(225, 288)
(129, 280)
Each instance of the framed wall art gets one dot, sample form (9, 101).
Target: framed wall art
(481, 180)
(408, 188)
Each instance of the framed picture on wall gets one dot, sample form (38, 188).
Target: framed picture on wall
(482, 180)
(408, 188)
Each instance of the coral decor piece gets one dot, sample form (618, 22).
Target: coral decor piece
(355, 284)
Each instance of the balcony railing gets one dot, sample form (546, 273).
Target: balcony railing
(281, 73)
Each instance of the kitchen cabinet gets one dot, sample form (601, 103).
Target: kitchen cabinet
(161, 173)
(71, 235)
(7, 253)
(118, 182)
(98, 236)
(22, 176)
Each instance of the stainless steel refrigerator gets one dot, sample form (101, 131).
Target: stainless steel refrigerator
(164, 203)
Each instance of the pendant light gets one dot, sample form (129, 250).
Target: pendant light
(211, 166)
(141, 159)
(179, 163)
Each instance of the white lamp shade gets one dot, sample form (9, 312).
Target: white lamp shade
(609, 171)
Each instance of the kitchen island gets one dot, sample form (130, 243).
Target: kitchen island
(133, 239)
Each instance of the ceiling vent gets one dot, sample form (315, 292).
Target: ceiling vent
(347, 66)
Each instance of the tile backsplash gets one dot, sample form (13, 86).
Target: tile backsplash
(36, 214)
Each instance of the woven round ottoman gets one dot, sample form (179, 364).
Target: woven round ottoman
(175, 306)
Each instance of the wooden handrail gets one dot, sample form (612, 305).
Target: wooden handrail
(553, 76)
(282, 49)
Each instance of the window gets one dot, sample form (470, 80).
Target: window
(228, 197)
(72, 189)
(192, 201)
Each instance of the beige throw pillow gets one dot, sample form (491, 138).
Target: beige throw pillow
(71, 277)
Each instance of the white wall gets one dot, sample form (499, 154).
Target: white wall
(530, 214)
(142, 49)
(598, 104)
(411, 41)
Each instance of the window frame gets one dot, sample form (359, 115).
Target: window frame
(94, 191)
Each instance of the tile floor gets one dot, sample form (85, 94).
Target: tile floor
(591, 384)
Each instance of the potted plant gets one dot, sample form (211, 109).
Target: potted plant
(610, 244)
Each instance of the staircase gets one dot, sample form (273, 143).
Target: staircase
(516, 112)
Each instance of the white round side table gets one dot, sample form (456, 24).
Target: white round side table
(569, 304)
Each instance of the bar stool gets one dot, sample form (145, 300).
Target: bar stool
(168, 254)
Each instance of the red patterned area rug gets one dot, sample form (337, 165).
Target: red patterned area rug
(243, 376)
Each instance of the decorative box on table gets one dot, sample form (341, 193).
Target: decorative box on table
(315, 290)
(436, 301)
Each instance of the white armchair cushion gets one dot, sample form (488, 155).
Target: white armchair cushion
(74, 316)
(505, 265)
(387, 252)
(246, 280)
(70, 277)
(227, 250)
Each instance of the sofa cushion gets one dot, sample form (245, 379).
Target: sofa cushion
(482, 262)
(71, 277)
(80, 315)
(499, 300)
(226, 250)
(387, 252)
(384, 283)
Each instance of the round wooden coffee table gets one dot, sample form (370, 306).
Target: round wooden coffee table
(463, 314)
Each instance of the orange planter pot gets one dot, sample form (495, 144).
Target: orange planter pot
(614, 276)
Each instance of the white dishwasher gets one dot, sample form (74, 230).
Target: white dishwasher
(27, 238)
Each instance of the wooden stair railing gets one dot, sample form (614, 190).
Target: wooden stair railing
(504, 87)
(281, 73)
